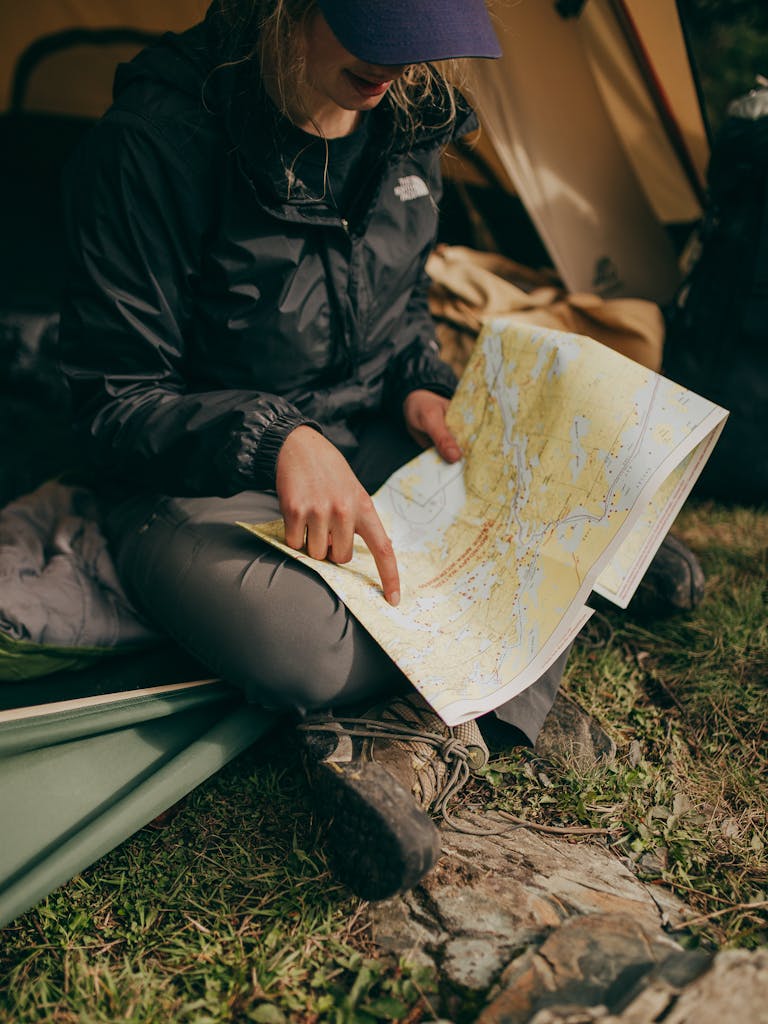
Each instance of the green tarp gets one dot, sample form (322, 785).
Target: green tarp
(87, 758)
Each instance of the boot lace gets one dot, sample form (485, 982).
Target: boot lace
(452, 749)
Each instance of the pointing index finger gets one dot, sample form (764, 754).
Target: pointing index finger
(380, 546)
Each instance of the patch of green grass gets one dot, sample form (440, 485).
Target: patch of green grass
(230, 913)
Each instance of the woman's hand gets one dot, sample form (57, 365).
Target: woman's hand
(424, 413)
(324, 504)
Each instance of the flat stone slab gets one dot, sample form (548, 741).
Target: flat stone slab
(489, 897)
(686, 988)
(588, 966)
(735, 988)
(530, 928)
(492, 899)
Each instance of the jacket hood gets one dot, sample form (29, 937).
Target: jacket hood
(179, 61)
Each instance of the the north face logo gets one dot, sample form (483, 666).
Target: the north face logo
(410, 187)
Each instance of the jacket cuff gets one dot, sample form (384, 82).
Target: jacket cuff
(426, 370)
(257, 458)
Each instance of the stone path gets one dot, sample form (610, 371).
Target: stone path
(526, 928)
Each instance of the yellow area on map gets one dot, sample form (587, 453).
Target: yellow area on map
(565, 445)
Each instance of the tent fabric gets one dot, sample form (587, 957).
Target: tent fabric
(547, 121)
(90, 758)
(661, 34)
(56, 86)
(635, 117)
(82, 84)
(37, 726)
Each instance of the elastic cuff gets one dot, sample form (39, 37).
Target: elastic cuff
(257, 463)
(439, 387)
(428, 372)
(272, 440)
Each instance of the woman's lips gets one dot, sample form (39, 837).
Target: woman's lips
(368, 88)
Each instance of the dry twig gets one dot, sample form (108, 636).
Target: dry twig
(759, 905)
(557, 830)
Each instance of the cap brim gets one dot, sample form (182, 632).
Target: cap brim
(423, 30)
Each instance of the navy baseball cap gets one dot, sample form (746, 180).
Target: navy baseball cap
(411, 31)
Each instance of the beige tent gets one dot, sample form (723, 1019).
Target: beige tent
(597, 123)
(72, 74)
(592, 119)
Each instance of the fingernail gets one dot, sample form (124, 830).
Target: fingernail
(394, 597)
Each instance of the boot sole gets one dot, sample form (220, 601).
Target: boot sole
(379, 841)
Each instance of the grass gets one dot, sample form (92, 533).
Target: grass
(227, 914)
(230, 914)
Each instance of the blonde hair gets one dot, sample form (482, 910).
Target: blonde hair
(272, 31)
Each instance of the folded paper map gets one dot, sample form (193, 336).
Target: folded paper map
(576, 461)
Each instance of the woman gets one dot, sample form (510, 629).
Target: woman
(246, 336)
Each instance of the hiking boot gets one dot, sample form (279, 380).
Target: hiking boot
(572, 736)
(376, 777)
(673, 582)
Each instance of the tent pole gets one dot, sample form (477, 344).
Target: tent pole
(660, 100)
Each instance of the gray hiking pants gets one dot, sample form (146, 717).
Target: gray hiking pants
(263, 621)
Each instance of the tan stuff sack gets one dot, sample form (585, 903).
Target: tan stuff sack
(469, 286)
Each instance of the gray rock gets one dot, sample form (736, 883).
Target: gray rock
(525, 928)
(653, 994)
(490, 897)
(571, 735)
(681, 990)
(586, 964)
(733, 991)
(403, 929)
(570, 1015)
(472, 962)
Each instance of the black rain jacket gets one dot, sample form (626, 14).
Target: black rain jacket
(208, 313)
